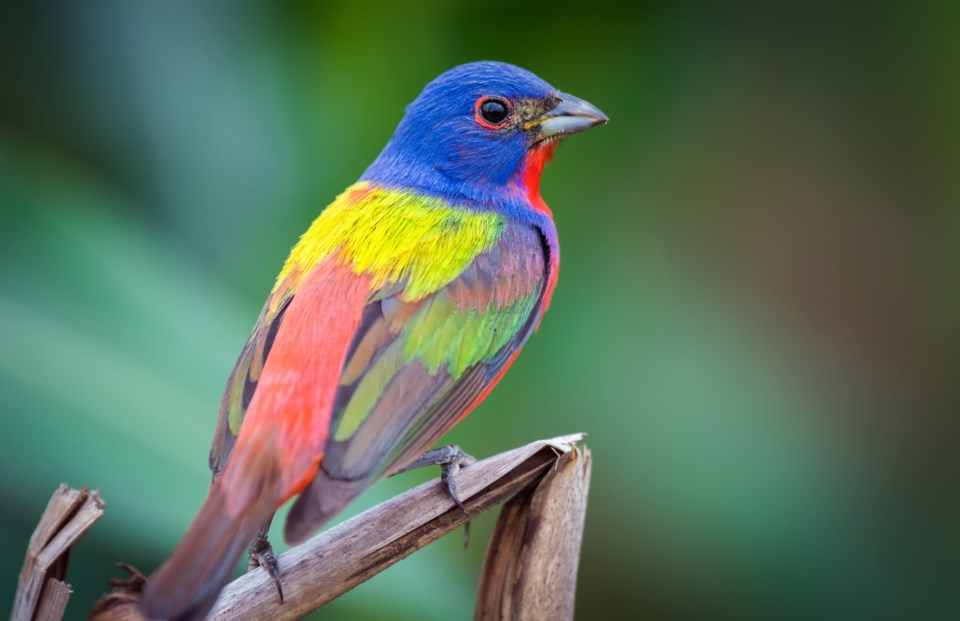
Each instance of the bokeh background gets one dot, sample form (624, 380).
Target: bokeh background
(756, 322)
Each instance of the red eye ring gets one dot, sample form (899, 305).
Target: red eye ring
(492, 112)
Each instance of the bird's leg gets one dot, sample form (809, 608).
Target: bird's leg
(450, 459)
(261, 555)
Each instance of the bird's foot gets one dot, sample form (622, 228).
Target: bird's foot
(261, 555)
(133, 584)
(450, 459)
(126, 595)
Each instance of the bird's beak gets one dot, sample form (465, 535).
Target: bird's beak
(570, 116)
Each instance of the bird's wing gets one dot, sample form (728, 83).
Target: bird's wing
(286, 377)
(243, 379)
(397, 243)
(416, 367)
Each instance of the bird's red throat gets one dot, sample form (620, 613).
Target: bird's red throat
(537, 158)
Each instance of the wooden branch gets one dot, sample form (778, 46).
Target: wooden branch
(337, 560)
(530, 569)
(41, 592)
(53, 603)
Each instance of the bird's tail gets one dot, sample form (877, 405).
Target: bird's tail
(187, 584)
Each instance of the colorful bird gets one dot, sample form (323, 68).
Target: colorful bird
(396, 313)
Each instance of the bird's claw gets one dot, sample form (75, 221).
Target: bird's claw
(261, 555)
(448, 476)
(133, 584)
(450, 459)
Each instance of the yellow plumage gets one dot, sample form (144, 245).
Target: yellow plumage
(395, 236)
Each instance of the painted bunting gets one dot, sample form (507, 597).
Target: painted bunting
(396, 313)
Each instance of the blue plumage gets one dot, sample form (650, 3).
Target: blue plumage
(440, 150)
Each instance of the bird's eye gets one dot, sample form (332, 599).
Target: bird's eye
(492, 112)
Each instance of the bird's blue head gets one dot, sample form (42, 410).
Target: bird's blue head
(479, 132)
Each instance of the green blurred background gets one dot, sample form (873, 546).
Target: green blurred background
(756, 322)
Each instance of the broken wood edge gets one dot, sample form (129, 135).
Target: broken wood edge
(530, 568)
(335, 561)
(42, 594)
(53, 603)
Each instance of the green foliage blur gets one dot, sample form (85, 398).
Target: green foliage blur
(756, 321)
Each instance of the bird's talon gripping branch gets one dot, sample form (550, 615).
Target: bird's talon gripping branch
(450, 459)
(448, 475)
(262, 555)
(133, 584)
